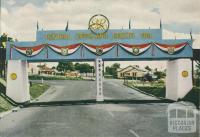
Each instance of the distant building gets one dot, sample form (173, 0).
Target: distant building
(33, 69)
(73, 74)
(132, 72)
(46, 70)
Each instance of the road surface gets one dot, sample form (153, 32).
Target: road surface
(84, 118)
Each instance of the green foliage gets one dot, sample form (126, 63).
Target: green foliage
(153, 90)
(161, 81)
(38, 77)
(198, 73)
(159, 91)
(198, 68)
(113, 69)
(193, 96)
(84, 68)
(160, 74)
(5, 38)
(37, 89)
(4, 105)
(148, 68)
(2, 88)
(65, 66)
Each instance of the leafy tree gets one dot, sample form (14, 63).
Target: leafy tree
(4, 38)
(64, 66)
(83, 68)
(116, 65)
(113, 69)
(160, 74)
(148, 68)
(198, 68)
(198, 73)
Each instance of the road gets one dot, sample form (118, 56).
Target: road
(112, 119)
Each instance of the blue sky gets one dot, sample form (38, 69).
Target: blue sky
(179, 17)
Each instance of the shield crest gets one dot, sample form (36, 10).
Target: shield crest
(135, 50)
(29, 51)
(64, 51)
(99, 51)
(171, 50)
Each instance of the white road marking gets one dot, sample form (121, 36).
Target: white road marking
(134, 133)
(109, 112)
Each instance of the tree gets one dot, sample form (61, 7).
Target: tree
(65, 66)
(159, 74)
(4, 38)
(148, 68)
(116, 65)
(198, 73)
(113, 69)
(84, 68)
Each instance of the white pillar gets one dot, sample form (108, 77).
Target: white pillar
(99, 79)
(17, 81)
(179, 78)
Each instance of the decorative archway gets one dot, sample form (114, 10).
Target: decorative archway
(114, 45)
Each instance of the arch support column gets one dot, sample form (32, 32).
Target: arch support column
(17, 81)
(178, 78)
(99, 79)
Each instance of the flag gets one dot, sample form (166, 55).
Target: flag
(37, 25)
(160, 24)
(191, 35)
(129, 24)
(66, 28)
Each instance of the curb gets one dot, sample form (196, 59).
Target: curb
(3, 114)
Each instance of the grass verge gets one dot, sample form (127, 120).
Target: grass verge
(4, 105)
(193, 96)
(160, 91)
(37, 89)
(38, 77)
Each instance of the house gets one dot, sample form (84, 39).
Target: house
(43, 69)
(132, 72)
(73, 74)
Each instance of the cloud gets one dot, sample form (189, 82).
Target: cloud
(156, 10)
(11, 2)
(19, 21)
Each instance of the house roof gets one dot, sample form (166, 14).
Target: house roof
(131, 68)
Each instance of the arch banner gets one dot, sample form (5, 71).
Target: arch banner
(171, 49)
(29, 51)
(135, 49)
(65, 50)
(99, 50)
